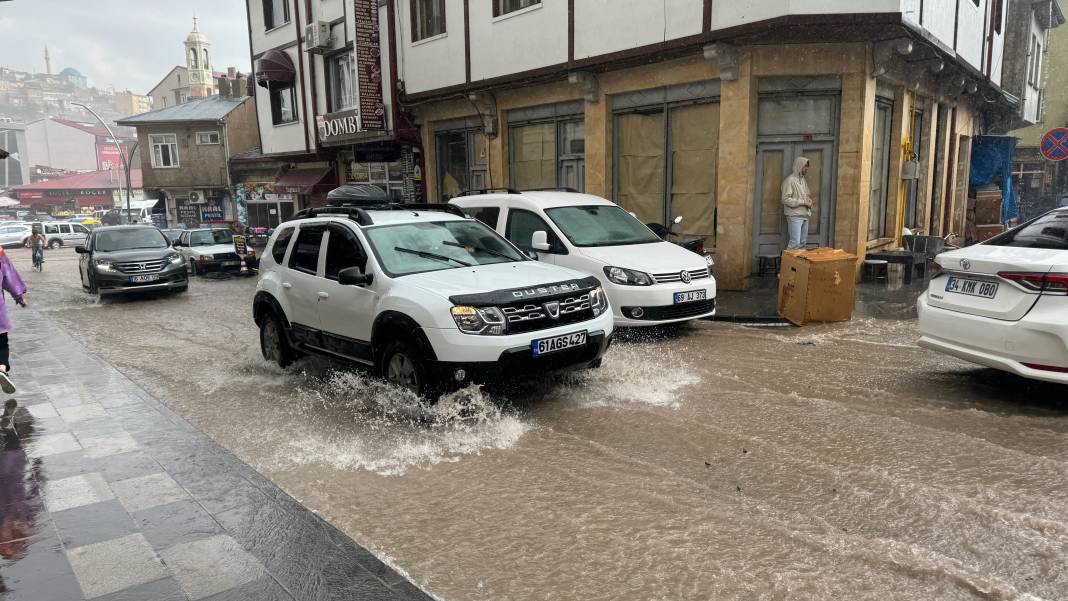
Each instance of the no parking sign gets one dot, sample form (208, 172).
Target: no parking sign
(1055, 144)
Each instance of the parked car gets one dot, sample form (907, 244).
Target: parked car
(89, 221)
(130, 258)
(648, 281)
(424, 297)
(172, 235)
(14, 235)
(60, 233)
(1004, 303)
(211, 250)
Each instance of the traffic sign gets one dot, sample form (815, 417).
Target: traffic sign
(1055, 144)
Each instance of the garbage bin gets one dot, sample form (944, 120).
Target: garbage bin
(817, 285)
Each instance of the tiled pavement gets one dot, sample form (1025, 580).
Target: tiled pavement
(107, 495)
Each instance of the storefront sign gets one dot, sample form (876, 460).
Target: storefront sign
(107, 156)
(368, 68)
(338, 128)
(212, 212)
(240, 245)
(189, 215)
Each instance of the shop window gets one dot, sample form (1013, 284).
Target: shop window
(342, 73)
(880, 170)
(305, 255)
(164, 150)
(428, 19)
(666, 165)
(275, 13)
(503, 7)
(284, 105)
(463, 161)
(913, 205)
(207, 137)
(549, 154)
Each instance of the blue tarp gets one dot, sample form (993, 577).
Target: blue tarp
(992, 162)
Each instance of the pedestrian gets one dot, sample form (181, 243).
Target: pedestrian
(797, 204)
(12, 283)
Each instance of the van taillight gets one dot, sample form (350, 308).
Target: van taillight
(1046, 283)
(1053, 368)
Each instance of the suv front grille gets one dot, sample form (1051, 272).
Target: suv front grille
(664, 278)
(140, 266)
(532, 316)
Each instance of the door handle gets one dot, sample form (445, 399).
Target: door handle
(323, 295)
(287, 285)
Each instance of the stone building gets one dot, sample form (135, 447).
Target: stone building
(185, 152)
(698, 108)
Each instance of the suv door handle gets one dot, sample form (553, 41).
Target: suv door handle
(287, 285)
(323, 295)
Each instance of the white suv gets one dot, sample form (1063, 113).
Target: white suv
(648, 281)
(424, 296)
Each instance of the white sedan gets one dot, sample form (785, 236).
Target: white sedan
(1004, 303)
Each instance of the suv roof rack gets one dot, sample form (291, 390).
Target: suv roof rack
(556, 189)
(361, 217)
(488, 191)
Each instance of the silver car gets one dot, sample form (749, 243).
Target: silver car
(14, 235)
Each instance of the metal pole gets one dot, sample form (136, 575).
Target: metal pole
(122, 153)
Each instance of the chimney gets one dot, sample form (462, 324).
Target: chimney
(240, 86)
(224, 87)
(231, 72)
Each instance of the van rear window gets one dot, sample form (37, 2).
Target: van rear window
(1048, 231)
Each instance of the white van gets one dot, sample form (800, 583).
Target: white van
(648, 281)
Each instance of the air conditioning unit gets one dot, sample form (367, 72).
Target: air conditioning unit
(317, 37)
(197, 197)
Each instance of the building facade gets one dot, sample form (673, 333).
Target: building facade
(15, 170)
(698, 108)
(326, 114)
(80, 192)
(185, 155)
(71, 145)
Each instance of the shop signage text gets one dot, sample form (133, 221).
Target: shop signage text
(337, 128)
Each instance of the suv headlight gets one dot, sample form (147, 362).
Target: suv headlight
(175, 259)
(598, 301)
(484, 321)
(206, 258)
(628, 277)
(104, 265)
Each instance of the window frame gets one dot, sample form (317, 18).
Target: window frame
(175, 158)
(418, 33)
(272, 22)
(218, 138)
(561, 157)
(332, 81)
(276, 105)
(288, 234)
(499, 7)
(343, 233)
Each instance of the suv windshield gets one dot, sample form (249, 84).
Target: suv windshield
(1048, 231)
(432, 246)
(130, 239)
(210, 237)
(600, 225)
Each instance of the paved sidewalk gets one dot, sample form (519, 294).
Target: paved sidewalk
(105, 494)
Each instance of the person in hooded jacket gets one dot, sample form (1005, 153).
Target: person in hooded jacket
(797, 204)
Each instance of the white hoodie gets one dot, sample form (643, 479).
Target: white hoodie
(795, 191)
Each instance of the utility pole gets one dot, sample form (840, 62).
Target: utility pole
(122, 153)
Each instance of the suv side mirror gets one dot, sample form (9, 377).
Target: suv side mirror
(81, 250)
(540, 241)
(353, 276)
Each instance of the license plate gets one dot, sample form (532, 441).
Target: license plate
(972, 287)
(557, 343)
(231, 263)
(141, 279)
(691, 296)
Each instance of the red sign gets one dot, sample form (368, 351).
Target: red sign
(368, 65)
(1055, 144)
(108, 157)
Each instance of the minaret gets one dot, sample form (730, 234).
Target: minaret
(198, 61)
(48, 62)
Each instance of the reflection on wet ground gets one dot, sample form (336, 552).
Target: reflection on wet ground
(713, 461)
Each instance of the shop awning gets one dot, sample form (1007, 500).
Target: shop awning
(97, 200)
(306, 181)
(275, 70)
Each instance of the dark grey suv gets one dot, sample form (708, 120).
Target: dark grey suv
(130, 258)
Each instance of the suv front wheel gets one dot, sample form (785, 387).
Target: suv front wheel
(273, 343)
(403, 366)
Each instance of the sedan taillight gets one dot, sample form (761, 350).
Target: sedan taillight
(1046, 283)
(936, 269)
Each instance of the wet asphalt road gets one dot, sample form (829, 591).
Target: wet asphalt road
(717, 462)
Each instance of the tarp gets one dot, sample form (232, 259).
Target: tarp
(992, 162)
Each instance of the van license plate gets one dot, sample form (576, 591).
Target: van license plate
(972, 287)
(557, 343)
(141, 279)
(691, 296)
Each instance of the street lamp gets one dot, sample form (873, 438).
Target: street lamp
(122, 153)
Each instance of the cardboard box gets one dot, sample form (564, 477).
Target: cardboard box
(988, 210)
(817, 285)
(986, 232)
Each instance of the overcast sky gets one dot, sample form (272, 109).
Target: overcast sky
(122, 43)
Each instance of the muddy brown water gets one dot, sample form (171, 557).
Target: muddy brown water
(717, 462)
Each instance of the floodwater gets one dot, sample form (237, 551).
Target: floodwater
(716, 462)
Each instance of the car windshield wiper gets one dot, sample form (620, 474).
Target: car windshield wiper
(430, 255)
(489, 251)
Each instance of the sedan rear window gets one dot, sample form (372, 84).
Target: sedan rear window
(1047, 231)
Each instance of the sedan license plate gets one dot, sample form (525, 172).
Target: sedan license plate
(972, 287)
(557, 343)
(691, 296)
(141, 279)
(231, 263)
